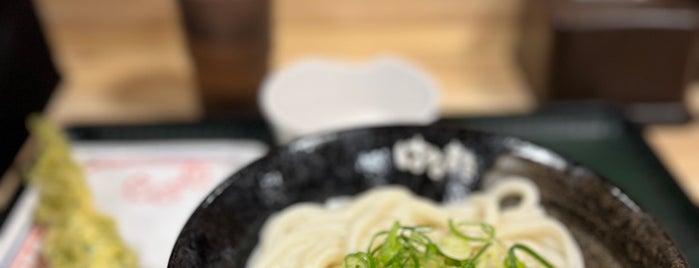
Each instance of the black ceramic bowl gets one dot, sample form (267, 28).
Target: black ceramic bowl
(608, 225)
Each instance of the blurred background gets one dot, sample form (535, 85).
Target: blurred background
(531, 66)
(123, 55)
(128, 61)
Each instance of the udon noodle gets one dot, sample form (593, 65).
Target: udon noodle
(321, 235)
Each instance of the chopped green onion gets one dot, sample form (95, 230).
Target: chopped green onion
(513, 262)
(488, 229)
(411, 247)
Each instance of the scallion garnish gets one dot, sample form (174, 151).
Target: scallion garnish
(512, 262)
(411, 247)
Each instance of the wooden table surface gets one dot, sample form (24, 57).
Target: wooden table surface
(125, 62)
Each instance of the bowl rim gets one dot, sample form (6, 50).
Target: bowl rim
(321, 138)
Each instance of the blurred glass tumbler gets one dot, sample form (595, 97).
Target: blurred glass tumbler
(228, 42)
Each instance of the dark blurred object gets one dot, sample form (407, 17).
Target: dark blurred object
(229, 43)
(27, 79)
(27, 74)
(635, 54)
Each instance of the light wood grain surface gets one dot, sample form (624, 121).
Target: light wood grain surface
(125, 62)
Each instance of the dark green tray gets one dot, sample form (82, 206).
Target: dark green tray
(598, 138)
(614, 148)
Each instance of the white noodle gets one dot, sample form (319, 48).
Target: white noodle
(313, 236)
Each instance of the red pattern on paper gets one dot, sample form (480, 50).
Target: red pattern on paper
(142, 188)
(28, 255)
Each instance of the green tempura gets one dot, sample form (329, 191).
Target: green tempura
(77, 235)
